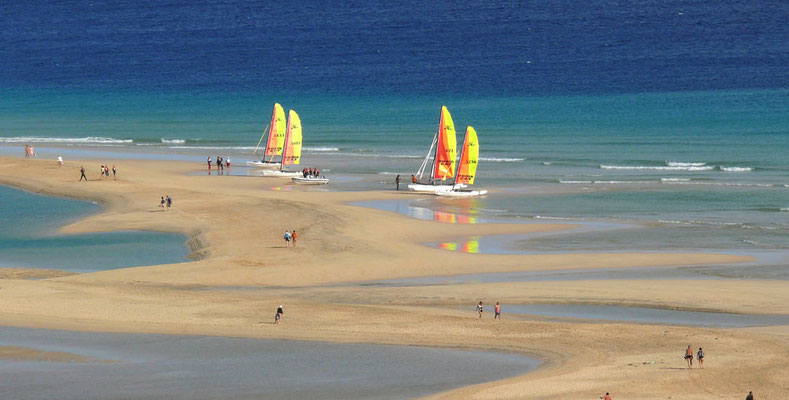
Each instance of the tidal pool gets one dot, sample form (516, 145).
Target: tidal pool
(142, 366)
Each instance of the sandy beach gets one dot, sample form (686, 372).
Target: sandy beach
(241, 271)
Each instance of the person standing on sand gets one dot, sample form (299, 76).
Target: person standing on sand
(497, 311)
(293, 237)
(208, 160)
(480, 309)
(750, 396)
(162, 203)
(227, 163)
(114, 172)
(169, 202)
(60, 161)
(606, 397)
(27, 151)
(278, 315)
(397, 181)
(689, 356)
(82, 171)
(700, 357)
(287, 239)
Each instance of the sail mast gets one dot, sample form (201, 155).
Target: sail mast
(260, 141)
(438, 133)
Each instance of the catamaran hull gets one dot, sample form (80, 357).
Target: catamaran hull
(264, 165)
(419, 187)
(281, 174)
(310, 181)
(462, 193)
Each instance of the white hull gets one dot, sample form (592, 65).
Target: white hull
(281, 174)
(419, 187)
(264, 165)
(462, 193)
(310, 181)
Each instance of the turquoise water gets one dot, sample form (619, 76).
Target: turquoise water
(709, 167)
(34, 242)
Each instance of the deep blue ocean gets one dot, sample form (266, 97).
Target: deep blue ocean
(670, 113)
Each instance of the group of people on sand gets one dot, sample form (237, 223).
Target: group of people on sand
(221, 163)
(291, 237)
(105, 172)
(496, 310)
(311, 172)
(30, 152)
(166, 202)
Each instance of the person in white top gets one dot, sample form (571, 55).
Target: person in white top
(60, 161)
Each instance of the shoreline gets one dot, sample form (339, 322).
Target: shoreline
(239, 230)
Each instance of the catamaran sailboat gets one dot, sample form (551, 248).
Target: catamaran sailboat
(467, 169)
(274, 143)
(291, 151)
(443, 165)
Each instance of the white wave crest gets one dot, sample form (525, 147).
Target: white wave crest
(546, 163)
(684, 164)
(173, 141)
(784, 209)
(736, 169)
(658, 168)
(321, 149)
(84, 140)
(675, 179)
(215, 147)
(500, 159)
(574, 182)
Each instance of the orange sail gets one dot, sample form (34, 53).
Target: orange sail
(276, 133)
(292, 152)
(444, 166)
(469, 157)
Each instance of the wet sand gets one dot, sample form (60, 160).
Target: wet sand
(235, 227)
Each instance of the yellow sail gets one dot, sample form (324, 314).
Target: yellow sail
(276, 133)
(292, 154)
(468, 158)
(446, 147)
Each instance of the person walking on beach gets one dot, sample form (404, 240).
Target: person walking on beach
(293, 237)
(278, 315)
(208, 160)
(497, 311)
(227, 163)
(287, 238)
(397, 181)
(169, 202)
(689, 356)
(750, 396)
(114, 172)
(700, 357)
(60, 161)
(27, 151)
(606, 397)
(82, 172)
(479, 309)
(162, 203)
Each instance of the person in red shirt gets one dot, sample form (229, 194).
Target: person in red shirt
(497, 311)
(606, 397)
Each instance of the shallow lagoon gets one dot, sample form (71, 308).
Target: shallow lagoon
(30, 239)
(647, 315)
(145, 366)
